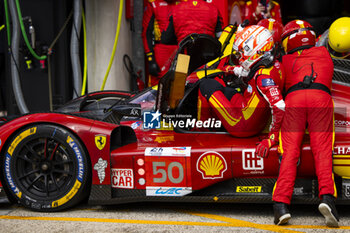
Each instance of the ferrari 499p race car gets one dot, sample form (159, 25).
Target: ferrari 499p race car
(116, 147)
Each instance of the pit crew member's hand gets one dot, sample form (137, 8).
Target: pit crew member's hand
(259, 9)
(263, 148)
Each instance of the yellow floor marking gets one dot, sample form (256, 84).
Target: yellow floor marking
(107, 220)
(242, 223)
(226, 222)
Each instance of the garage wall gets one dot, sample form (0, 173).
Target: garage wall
(101, 21)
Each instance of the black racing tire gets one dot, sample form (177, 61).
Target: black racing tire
(46, 168)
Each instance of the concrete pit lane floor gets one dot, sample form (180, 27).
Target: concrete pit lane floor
(167, 218)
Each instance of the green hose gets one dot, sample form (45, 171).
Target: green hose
(114, 46)
(7, 23)
(25, 34)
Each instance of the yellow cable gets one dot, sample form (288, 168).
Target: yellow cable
(115, 44)
(2, 27)
(83, 89)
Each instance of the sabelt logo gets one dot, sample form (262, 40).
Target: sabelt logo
(212, 165)
(248, 189)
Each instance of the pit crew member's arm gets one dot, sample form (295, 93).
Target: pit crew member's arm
(272, 94)
(148, 28)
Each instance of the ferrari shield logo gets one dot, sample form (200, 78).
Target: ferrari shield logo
(100, 141)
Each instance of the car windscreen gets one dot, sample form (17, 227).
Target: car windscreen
(146, 99)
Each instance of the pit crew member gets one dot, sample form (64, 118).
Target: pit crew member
(308, 77)
(256, 10)
(244, 113)
(337, 38)
(156, 20)
(192, 17)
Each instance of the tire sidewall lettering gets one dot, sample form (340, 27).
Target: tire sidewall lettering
(8, 176)
(8, 173)
(77, 152)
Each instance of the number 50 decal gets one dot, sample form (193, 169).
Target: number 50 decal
(160, 168)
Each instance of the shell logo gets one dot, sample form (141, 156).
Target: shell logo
(211, 165)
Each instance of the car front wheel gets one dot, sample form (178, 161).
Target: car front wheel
(46, 168)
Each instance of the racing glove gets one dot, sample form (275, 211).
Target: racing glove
(263, 147)
(153, 67)
(236, 70)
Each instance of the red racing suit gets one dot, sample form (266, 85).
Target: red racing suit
(192, 17)
(311, 107)
(249, 12)
(156, 20)
(246, 114)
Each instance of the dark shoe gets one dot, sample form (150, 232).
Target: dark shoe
(328, 210)
(281, 212)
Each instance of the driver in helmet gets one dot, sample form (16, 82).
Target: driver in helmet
(337, 38)
(308, 77)
(275, 27)
(242, 112)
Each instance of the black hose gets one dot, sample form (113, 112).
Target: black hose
(130, 68)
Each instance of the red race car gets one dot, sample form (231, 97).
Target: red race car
(116, 147)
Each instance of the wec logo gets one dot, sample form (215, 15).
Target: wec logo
(170, 191)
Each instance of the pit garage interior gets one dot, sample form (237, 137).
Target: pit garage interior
(77, 40)
(53, 51)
